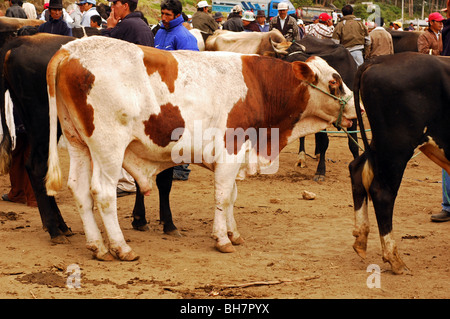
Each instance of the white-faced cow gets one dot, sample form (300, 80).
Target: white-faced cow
(339, 58)
(403, 116)
(23, 71)
(149, 109)
(247, 42)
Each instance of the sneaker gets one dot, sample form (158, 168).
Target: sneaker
(443, 216)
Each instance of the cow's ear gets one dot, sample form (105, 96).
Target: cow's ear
(303, 72)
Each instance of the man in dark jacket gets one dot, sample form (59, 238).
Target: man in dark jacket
(55, 24)
(126, 24)
(15, 10)
(234, 21)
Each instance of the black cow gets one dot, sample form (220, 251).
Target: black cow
(404, 41)
(24, 75)
(341, 60)
(403, 116)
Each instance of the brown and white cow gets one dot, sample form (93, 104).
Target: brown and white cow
(148, 109)
(262, 43)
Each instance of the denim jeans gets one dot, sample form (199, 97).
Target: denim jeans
(357, 56)
(445, 191)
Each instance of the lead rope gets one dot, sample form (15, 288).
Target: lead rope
(343, 102)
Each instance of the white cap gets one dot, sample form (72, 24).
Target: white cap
(202, 4)
(237, 8)
(283, 6)
(299, 21)
(248, 16)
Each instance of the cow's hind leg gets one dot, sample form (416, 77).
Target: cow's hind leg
(360, 204)
(383, 191)
(224, 229)
(103, 189)
(78, 183)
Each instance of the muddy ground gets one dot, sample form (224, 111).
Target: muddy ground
(294, 248)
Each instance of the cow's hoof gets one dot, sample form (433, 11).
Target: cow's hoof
(130, 256)
(142, 227)
(227, 248)
(60, 239)
(104, 257)
(300, 164)
(360, 251)
(237, 241)
(68, 232)
(319, 178)
(397, 265)
(173, 233)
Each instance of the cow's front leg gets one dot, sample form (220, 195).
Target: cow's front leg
(224, 229)
(360, 204)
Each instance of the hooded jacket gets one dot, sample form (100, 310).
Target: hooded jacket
(176, 37)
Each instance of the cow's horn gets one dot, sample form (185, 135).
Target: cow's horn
(278, 51)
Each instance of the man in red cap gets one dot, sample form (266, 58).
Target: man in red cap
(324, 29)
(430, 42)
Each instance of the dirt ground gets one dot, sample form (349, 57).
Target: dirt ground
(294, 248)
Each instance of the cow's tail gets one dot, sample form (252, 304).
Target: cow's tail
(53, 179)
(356, 92)
(5, 136)
(367, 172)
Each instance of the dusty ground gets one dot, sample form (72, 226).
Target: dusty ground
(299, 248)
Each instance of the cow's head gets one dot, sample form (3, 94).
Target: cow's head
(330, 99)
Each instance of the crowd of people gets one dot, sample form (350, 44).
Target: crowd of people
(124, 22)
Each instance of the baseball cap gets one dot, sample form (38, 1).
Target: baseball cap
(117, 0)
(283, 6)
(324, 17)
(94, 2)
(202, 4)
(436, 16)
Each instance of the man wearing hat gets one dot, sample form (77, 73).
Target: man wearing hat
(324, 29)
(202, 20)
(249, 22)
(126, 24)
(88, 8)
(56, 23)
(261, 20)
(286, 24)
(234, 21)
(218, 16)
(430, 41)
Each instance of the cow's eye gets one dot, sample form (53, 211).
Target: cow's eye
(333, 82)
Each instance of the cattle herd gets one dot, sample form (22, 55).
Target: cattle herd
(245, 103)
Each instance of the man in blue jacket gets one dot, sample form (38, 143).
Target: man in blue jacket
(173, 35)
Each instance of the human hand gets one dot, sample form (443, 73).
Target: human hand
(111, 22)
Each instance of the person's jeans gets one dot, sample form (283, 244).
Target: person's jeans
(445, 191)
(181, 172)
(357, 56)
